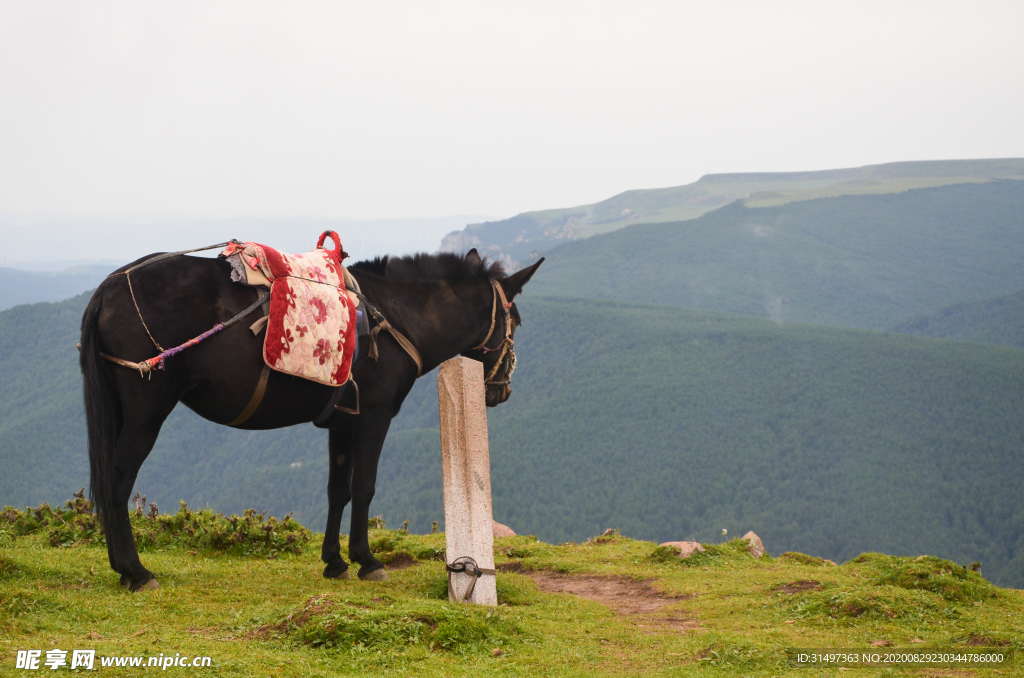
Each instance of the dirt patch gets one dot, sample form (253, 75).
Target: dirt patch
(400, 561)
(799, 586)
(985, 641)
(626, 597)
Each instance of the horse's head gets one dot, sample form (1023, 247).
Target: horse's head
(497, 351)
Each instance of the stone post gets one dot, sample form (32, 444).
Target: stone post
(466, 465)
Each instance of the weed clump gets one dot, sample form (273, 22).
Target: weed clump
(251, 534)
(945, 578)
(73, 523)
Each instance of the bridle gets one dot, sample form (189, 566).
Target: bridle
(508, 353)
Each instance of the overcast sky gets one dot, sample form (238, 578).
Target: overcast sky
(392, 110)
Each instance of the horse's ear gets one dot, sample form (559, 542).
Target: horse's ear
(513, 284)
(472, 257)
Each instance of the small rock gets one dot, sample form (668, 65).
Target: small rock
(754, 544)
(686, 548)
(880, 643)
(94, 636)
(916, 640)
(496, 652)
(499, 530)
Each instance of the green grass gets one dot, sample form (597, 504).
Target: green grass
(260, 616)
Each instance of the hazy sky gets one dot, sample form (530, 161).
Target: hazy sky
(378, 109)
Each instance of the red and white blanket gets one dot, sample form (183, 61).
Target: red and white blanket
(312, 324)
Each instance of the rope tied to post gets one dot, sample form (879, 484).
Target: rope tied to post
(467, 565)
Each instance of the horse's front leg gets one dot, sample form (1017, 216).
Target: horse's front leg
(369, 439)
(339, 492)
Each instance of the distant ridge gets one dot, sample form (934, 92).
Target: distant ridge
(516, 239)
(868, 261)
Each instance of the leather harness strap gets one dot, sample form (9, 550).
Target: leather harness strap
(498, 292)
(254, 402)
(147, 366)
(467, 565)
(383, 324)
(506, 346)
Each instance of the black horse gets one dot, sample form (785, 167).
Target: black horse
(444, 304)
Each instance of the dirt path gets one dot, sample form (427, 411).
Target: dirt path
(638, 600)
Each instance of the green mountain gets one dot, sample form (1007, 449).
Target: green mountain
(991, 321)
(665, 422)
(522, 236)
(868, 261)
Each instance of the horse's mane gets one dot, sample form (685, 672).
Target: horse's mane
(448, 266)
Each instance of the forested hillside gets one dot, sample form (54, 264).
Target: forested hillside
(868, 261)
(990, 321)
(667, 423)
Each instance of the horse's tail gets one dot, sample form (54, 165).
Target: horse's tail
(103, 412)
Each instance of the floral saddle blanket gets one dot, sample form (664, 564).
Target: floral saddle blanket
(311, 329)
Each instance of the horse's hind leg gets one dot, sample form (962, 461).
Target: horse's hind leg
(339, 492)
(134, 444)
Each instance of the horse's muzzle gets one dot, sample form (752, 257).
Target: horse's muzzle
(497, 394)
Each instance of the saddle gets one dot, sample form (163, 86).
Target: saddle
(311, 325)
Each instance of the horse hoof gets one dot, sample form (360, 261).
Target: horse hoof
(151, 585)
(377, 575)
(342, 575)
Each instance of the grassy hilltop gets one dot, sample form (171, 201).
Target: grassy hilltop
(608, 606)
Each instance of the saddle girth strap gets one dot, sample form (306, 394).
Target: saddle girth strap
(255, 400)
